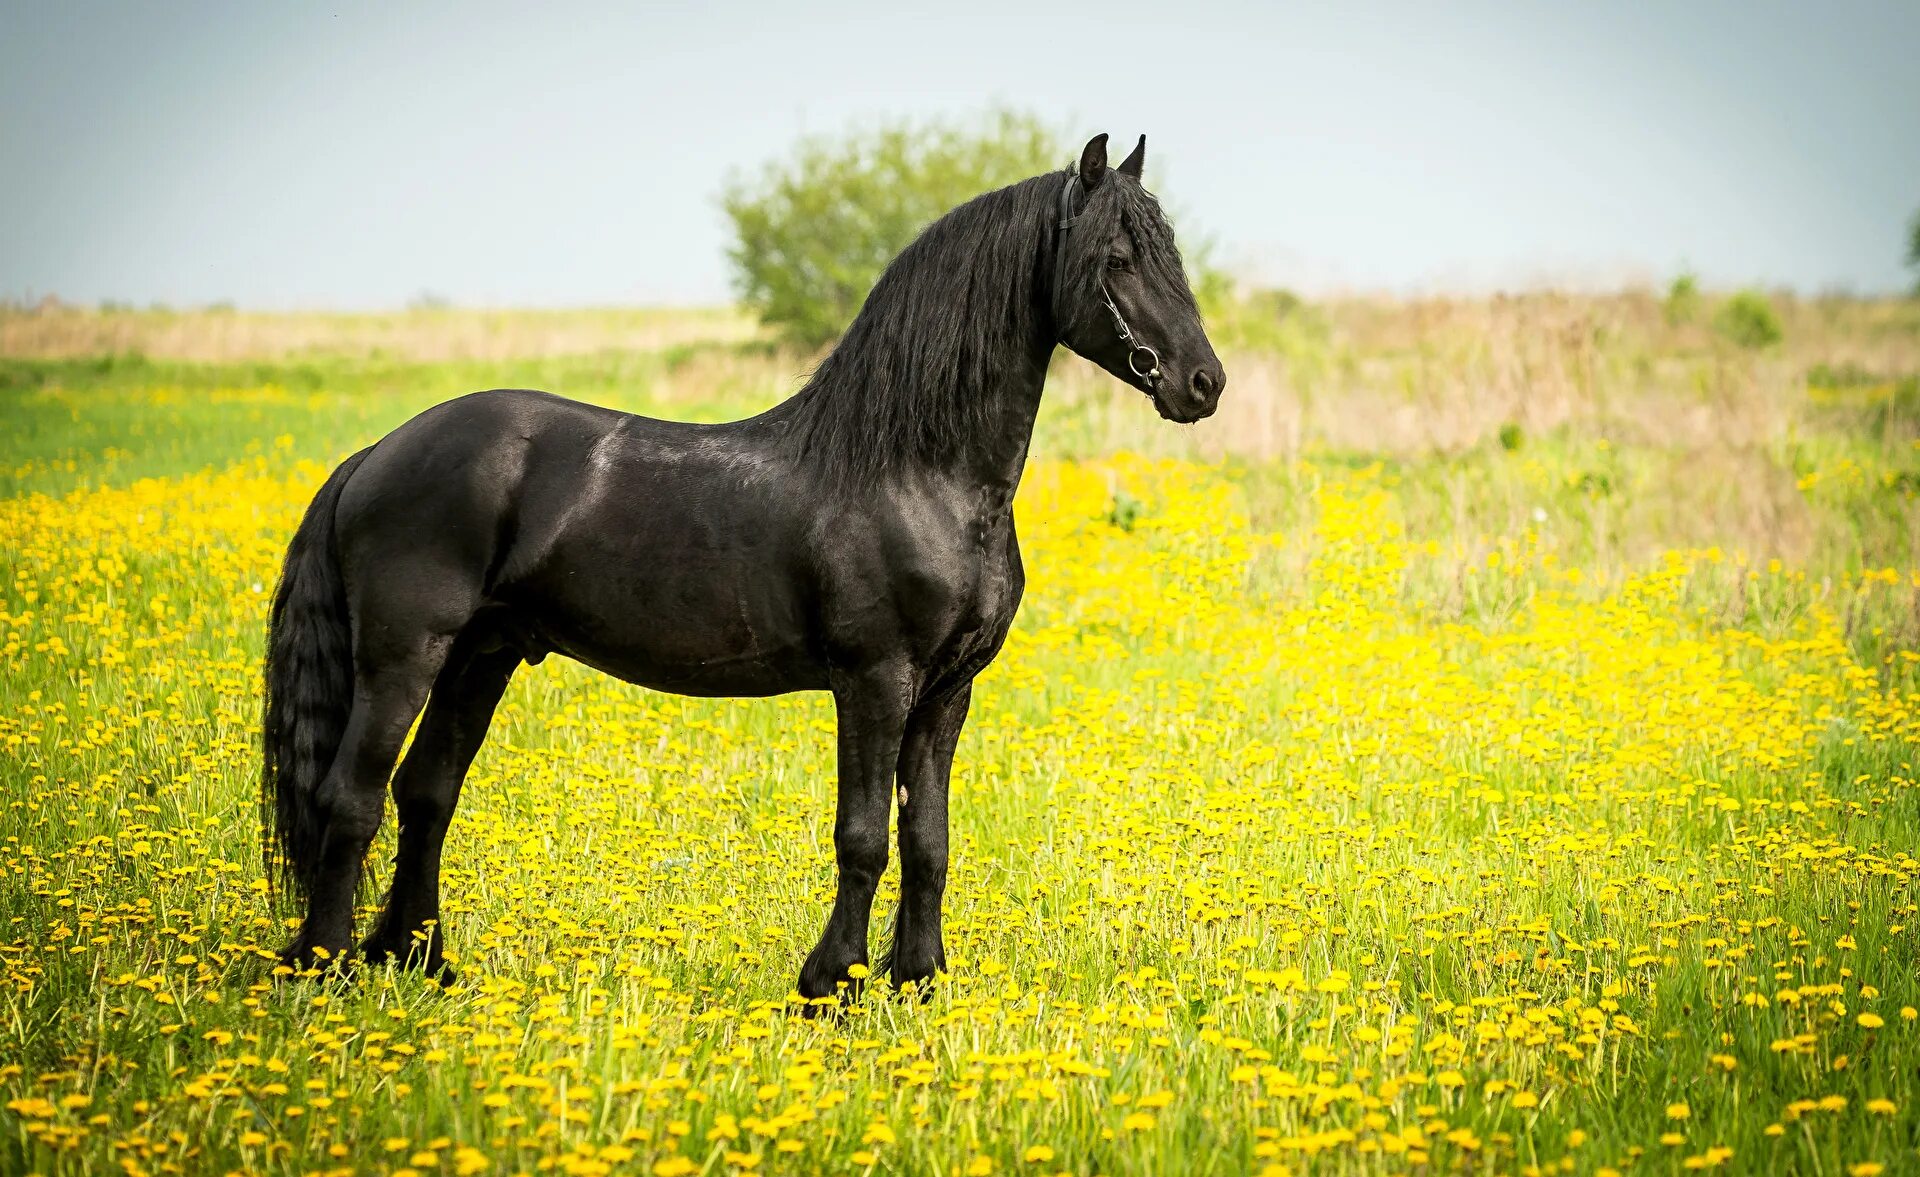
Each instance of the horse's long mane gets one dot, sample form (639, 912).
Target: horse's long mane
(960, 312)
(911, 377)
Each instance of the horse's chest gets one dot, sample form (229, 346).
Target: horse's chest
(993, 598)
(922, 584)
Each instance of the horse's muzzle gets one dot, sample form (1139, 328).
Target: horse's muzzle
(1194, 401)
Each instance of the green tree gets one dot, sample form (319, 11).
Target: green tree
(812, 231)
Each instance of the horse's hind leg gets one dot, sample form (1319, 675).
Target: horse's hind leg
(425, 791)
(387, 695)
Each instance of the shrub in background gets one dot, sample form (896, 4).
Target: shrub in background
(1748, 319)
(1683, 300)
(813, 231)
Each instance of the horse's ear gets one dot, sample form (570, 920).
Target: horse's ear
(1093, 162)
(1131, 165)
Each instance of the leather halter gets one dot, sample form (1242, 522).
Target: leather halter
(1142, 361)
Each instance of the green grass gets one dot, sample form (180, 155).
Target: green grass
(1317, 809)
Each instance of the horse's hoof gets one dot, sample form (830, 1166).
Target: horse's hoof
(917, 970)
(410, 954)
(816, 1008)
(310, 961)
(919, 987)
(377, 951)
(831, 990)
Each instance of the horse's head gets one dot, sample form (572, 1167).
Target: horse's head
(1120, 293)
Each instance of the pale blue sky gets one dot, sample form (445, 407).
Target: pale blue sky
(347, 155)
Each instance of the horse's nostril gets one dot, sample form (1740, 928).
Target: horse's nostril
(1206, 383)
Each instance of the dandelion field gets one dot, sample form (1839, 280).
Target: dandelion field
(1328, 811)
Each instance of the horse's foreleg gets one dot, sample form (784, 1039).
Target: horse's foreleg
(872, 712)
(425, 791)
(926, 762)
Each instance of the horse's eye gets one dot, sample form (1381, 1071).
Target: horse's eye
(1116, 262)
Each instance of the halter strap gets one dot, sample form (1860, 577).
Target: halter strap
(1142, 360)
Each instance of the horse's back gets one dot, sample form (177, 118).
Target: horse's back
(669, 554)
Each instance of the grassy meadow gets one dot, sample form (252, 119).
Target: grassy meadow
(1487, 746)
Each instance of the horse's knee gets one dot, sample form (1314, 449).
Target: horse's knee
(922, 871)
(861, 852)
(922, 856)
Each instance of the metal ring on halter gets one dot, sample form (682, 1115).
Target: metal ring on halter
(1153, 362)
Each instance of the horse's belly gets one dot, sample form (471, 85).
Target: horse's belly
(691, 635)
(732, 676)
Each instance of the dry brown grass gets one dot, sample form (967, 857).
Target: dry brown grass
(1443, 375)
(426, 335)
(1363, 375)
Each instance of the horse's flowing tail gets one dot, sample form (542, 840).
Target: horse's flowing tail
(309, 689)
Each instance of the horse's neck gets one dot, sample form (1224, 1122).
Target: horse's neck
(996, 459)
(997, 456)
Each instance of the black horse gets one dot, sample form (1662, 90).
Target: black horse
(857, 538)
